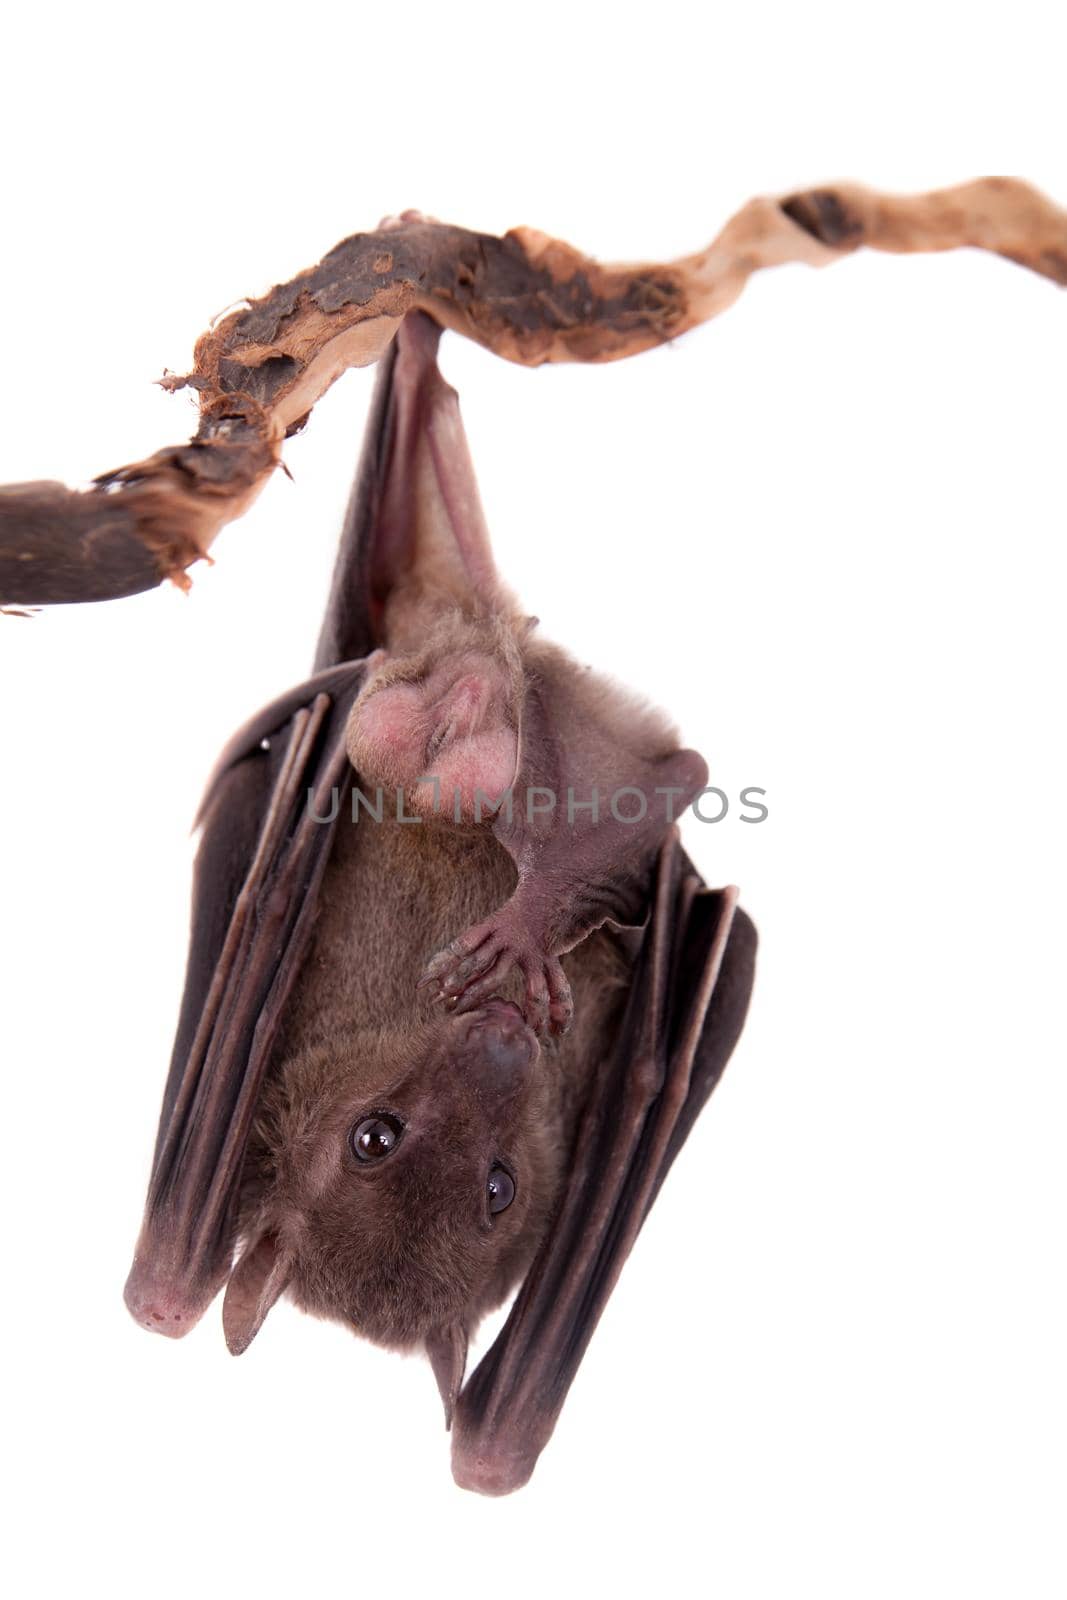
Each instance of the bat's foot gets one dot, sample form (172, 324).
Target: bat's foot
(470, 970)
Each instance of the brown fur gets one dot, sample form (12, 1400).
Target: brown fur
(417, 1256)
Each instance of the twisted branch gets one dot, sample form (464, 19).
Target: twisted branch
(529, 298)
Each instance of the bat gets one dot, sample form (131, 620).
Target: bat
(455, 994)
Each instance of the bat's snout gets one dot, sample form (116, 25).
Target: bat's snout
(499, 1048)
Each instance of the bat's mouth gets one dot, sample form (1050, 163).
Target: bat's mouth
(501, 1008)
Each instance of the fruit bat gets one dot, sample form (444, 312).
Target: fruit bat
(430, 1054)
(455, 994)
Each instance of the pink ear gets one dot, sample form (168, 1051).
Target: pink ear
(447, 1350)
(255, 1283)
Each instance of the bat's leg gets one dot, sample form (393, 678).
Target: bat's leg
(582, 838)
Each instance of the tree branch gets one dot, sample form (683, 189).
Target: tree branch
(526, 297)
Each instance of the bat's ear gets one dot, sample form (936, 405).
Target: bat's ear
(447, 1350)
(257, 1280)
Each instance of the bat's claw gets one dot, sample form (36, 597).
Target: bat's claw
(472, 969)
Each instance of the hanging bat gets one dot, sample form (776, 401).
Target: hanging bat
(455, 995)
(427, 1054)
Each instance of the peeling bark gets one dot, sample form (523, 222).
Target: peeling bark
(529, 298)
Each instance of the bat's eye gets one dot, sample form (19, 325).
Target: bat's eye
(375, 1137)
(500, 1188)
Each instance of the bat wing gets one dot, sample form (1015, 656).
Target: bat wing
(268, 823)
(264, 846)
(686, 1007)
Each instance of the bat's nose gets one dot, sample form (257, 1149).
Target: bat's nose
(501, 1048)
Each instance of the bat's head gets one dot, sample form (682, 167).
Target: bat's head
(409, 1181)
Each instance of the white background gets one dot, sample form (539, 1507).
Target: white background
(828, 532)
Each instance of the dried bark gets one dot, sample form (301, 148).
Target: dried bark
(527, 297)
